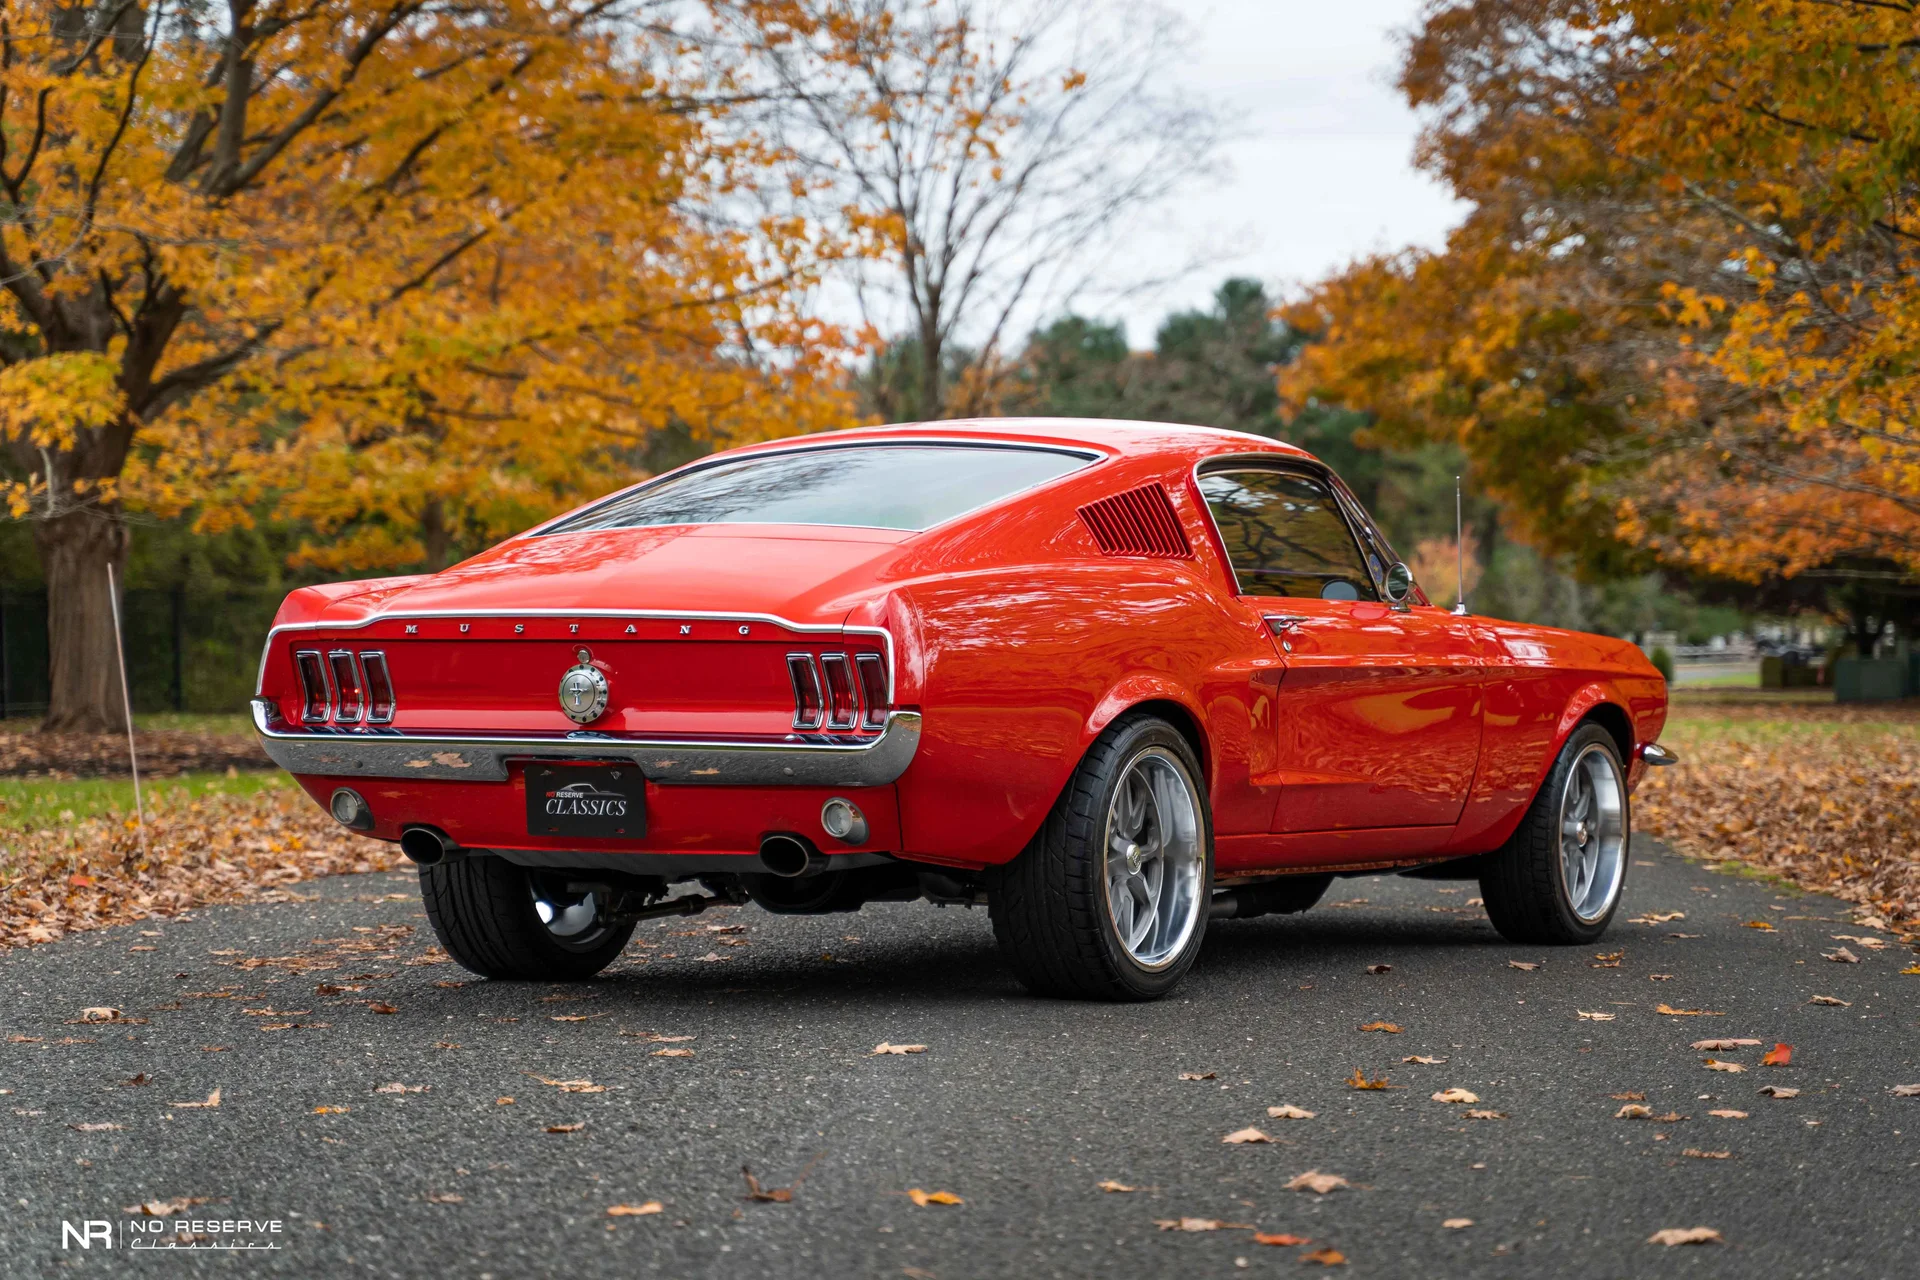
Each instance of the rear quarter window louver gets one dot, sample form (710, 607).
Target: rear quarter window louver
(1139, 522)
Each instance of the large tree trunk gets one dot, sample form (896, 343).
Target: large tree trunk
(84, 662)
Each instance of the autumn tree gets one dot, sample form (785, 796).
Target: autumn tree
(401, 265)
(988, 156)
(1682, 316)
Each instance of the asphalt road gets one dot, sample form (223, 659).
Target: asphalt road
(1018, 1106)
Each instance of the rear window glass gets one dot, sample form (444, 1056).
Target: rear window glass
(876, 486)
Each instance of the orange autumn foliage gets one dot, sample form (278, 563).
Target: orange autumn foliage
(1684, 311)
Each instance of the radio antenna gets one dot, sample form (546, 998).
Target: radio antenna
(1459, 551)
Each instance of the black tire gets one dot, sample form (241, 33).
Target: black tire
(1526, 894)
(482, 909)
(1049, 905)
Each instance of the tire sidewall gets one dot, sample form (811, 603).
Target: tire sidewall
(1133, 740)
(1551, 799)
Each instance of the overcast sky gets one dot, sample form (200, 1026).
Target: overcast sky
(1319, 165)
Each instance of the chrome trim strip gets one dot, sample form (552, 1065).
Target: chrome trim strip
(699, 615)
(872, 762)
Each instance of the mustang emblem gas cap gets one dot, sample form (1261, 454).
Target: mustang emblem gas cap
(583, 692)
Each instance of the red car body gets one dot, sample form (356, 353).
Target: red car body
(1345, 735)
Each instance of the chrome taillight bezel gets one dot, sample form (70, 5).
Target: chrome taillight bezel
(804, 672)
(843, 695)
(349, 686)
(373, 663)
(839, 692)
(875, 697)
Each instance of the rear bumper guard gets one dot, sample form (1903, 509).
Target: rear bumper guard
(791, 761)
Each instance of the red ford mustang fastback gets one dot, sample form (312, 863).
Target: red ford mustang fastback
(1110, 679)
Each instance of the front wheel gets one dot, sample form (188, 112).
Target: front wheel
(1110, 899)
(1557, 879)
(501, 920)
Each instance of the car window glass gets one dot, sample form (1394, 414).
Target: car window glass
(877, 486)
(1285, 536)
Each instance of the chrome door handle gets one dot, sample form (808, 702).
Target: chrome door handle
(1278, 622)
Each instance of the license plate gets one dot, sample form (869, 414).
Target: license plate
(601, 800)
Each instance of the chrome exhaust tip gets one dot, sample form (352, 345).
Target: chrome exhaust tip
(428, 846)
(790, 856)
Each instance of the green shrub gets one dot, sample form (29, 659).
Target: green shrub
(1663, 662)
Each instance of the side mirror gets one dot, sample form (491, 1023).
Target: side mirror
(1399, 584)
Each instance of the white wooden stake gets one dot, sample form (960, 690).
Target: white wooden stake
(126, 700)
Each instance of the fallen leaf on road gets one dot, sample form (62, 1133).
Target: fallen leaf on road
(1912, 968)
(1906, 1091)
(1729, 1114)
(213, 1100)
(1473, 1114)
(165, 1208)
(1423, 1060)
(635, 1210)
(1280, 1240)
(99, 1013)
(378, 1007)
(1197, 1224)
(1595, 1017)
(1628, 1097)
(1114, 1187)
(1871, 944)
(1317, 1182)
(1778, 1056)
(1708, 1046)
(1527, 966)
(1658, 917)
(1672, 1117)
(1714, 1064)
(1831, 1000)
(569, 1086)
(1326, 1257)
(566, 1128)
(141, 1078)
(884, 1047)
(1686, 935)
(1288, 1112)
(1455, 1224)
(570, 1017)
(1388, 1027)
(445, 1197)
(925, 1198)
(1456, 1095)
(93, 1128)
(1606, 960)
(671, 1053)
(1659, 977)
(397, 1087)
(1840, 956)
(1760, 924)
(1379, 968)
(1358, 1080)
(1240, 1136)
(503, 1102)
(1672, 1012)
(1685, 1235)
(1779, 1091)
(1698, 1154)
(331, 1111)
(1634, 1111)
(1199, 1075)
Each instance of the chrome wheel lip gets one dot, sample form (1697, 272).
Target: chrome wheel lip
(1154, 859)
(1593, 833)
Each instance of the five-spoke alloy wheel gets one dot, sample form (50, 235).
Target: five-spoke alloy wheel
(1557, 879)
(1110, 899)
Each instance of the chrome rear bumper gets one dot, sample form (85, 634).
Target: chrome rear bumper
(373, 753)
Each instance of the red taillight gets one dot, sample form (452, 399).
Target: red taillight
(316, 698)
(347, 685)
(843, 704)
(873, 688)
(379, 687)
(809, 707)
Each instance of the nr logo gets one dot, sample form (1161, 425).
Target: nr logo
(90, 1232)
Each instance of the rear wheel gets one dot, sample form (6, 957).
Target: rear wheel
(1110, 899)
(1557, 880)
(501, 920)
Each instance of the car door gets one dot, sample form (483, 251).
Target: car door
(1378, 713)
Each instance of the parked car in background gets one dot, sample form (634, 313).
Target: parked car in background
(1112, 680)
